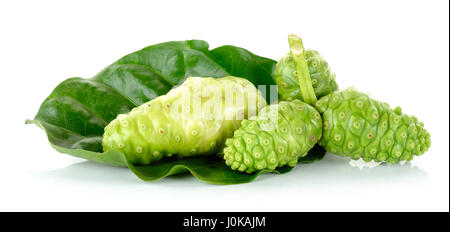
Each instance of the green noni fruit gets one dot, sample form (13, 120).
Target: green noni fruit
(278, 136)
(194, 118)
(358, 126)
(290, 79)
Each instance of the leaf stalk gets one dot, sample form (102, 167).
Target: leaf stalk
(302, 72)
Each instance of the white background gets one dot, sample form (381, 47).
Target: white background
(398, 51)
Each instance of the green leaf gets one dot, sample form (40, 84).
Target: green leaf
(315, 154)
(211, 169)
(242, 63)
(75, 113)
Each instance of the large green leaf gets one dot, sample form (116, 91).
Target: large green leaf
(211, 169)
(78, 109)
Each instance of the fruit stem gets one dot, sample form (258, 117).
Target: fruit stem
(304, 80)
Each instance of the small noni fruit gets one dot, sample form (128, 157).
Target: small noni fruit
(286, 73)
(278, 136)
(358, 126)
(194, 118)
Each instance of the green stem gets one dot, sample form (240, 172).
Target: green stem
(304, 80)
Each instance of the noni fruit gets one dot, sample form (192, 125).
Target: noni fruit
(358, 126)
(194, 118)
(278, 136)
(292, 71)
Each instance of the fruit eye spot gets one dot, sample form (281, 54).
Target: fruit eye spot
(177, 138)
(317, 116)
(266, 142)
(249, 140)
(281, 149)
(341, 115)
(294, 153)
(404, 135)
(314, 81)
(241, 113)
(356, 124)
(192, 151)
(373, 151)
(273, 161)
(167, 106)
(161, 131)
(370, 135)
(350, 145)
(312, 138)
(283, 84)
(138, 149)
(246, 161)
(149, 105)
(120, 145)
(337, 137)
(388, 142)
(125, 123)
(299, 108)
(375, 115)
(156, 153)
(194, 132)
(142, 126)
(237, 144)
(314, 64)
(283, 108)
(294, 73)
(360, 104)
(284, 129)
(299, 130)
(257, 155)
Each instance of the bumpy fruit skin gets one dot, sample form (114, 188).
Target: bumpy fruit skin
(151, 131)
(323, 80)
(266, 142)
(357, 126)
